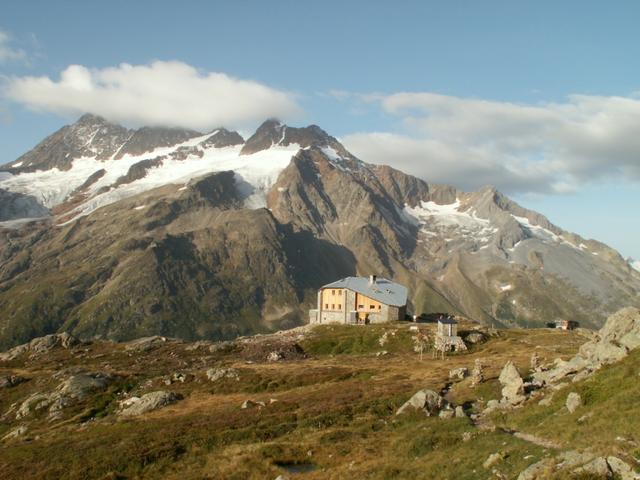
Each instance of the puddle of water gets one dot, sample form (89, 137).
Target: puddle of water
(297, 467)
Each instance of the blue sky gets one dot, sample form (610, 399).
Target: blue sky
(539, 98)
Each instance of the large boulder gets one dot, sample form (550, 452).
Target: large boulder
(135, 406)
(512, 385)
(429, 401)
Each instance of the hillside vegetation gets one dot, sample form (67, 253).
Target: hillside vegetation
(321, 404)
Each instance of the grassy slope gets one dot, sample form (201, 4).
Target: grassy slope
(334, 409)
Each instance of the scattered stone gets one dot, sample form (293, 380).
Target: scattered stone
(467, 436)
(597, 467)
(252, 403)
(512, 385)
(151, 401)
(215, 374)
(382, 353)
(573, 402)
(458, 373)
(384, 338)
(460, 413)
(427, 400)
(492, 460)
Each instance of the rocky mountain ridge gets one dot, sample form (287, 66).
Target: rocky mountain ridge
(214, 237)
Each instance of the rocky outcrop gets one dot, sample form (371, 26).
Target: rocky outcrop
(619, 335)
(71, 390)
(15, 205)
(134, 406)
(40, 345)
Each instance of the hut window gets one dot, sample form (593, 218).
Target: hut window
(326, 305)
(333, 306)
(333, 292)
(340, 292)
(360, 306)
(339, 306)
(372, 307)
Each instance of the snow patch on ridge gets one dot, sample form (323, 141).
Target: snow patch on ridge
(635, 264)
(432, 216)
(52, 187)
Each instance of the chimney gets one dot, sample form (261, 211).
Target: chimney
(372, 279)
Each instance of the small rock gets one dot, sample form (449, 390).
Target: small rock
(597, 467)
(621, 469)
(536, 470)
(474, 338)
(148, 402)
(275, 356)
(252, 403)
(382, 353)
(145, 344)
(573, 402)
(492, 460)
(447, 413)
(467, 436)
(427, 400)
(215, 374)
(573, 458)
(458, 373)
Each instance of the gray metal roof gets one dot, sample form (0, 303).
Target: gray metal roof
(383, 290)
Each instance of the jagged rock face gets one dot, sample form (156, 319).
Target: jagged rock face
(221, 138)
(131, 254)
(89, 136)
(14, 206)
(147, 138)
(272, 133)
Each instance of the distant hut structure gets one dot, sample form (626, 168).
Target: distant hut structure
(447, 339)
(566, 324)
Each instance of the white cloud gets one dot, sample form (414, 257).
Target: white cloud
(552, 147)
(159, 94)
(8, 53)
